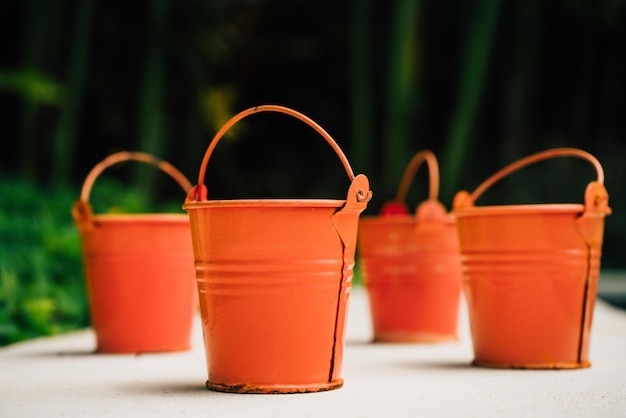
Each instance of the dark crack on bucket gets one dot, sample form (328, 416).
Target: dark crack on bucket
(332, 356)
(585, 315)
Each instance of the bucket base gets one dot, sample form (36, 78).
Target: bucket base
(424, 338)
(274, 389)
(532, 366)
(142, 350)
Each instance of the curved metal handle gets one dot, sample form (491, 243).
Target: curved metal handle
(136, 156)
(464, 199)
(411, 169)
(397, 206)
(199, 192)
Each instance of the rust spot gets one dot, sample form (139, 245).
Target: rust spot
(533, 366)
(269, 390)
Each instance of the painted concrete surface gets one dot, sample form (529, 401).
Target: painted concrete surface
(61, 376)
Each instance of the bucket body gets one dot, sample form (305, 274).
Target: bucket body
(412, 273)
(531, 283)
(139, 270)
(274, 279)
(140, 282)
(274, 283)
(411, 266)
(531, 274)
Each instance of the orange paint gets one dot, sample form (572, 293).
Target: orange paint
(531, 273)
(139, 271)
(274, 280)
(411, 265)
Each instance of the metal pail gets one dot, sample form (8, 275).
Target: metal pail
(531, 273)
(411, 265)
(274, 280)
(139, 271)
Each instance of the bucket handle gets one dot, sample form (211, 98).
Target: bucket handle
(430, 210)
(199, 192)
(397, 206)
(596, 196)
(409, 173)
(81, 210)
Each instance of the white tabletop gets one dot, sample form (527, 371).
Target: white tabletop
(61, 376)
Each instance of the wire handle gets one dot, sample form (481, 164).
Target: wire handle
(119, 157)
(81, 209)
(595, 191)
(199, 192)
(409, 173)
(397, 206)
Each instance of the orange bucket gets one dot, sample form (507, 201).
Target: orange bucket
(139, 271)
(531, 273)
(274, 280)
(411, 265)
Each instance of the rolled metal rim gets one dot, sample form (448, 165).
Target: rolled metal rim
(521, 210)
(261, 203)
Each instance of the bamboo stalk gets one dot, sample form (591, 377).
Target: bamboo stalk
(33, 48)
(150, 124)
(401, 91)
(473, 75)
(361, 86)
(64, 144)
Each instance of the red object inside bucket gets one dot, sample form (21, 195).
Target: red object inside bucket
(394, 208)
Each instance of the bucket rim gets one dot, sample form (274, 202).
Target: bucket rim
(551, 208)
(325, 203)
(396, 219)
(174, 218)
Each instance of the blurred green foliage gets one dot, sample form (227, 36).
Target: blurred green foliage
(42, 285)
(30, 85)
